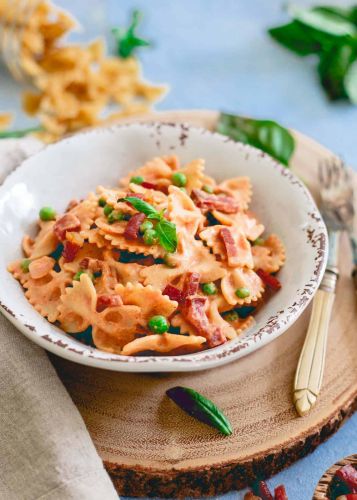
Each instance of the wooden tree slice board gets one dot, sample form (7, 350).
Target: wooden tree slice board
(151, 448)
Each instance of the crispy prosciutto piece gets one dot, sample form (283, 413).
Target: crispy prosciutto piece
(238, 250)
(70, 251)
(104, 301)
(280, 493)
(67, 222)
(269, 279)
(348, 474)
(132, 228)
(193, 310)
(173, 293)
(191, 284)
(225, 204)
(149, 185)
(94, 265)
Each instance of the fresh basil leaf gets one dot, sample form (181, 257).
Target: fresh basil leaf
(16, 134)
(333, 68)
(141, 206)
(323, 21)
(167, 235)
(266, 135)
(201, 408)
(294, 36)
(350, 83)
(127, 40)
(348, 13)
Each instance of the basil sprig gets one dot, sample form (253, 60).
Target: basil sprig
(166, 230)
(266, 135)
(331, 34)
(127, 40)
(201, 408)
(16, 134)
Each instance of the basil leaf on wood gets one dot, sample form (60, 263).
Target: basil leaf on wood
(16, 134)
(333, 69)
(201, 408)
(127, 40)
(266, 135)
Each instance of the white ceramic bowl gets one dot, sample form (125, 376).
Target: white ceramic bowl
(75, 166)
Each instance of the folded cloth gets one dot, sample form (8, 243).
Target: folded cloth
(45, 450)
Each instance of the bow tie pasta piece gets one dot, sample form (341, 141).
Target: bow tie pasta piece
(183, 212)
(239, 279)
(88, 250)
(164, 343)
(178, 321)
(245, 222)
(45, 289)
(153, 171)
(240, 188)
(45, 242)
(194, 174)
(270, 255)
(230, 244)
(94, 237)
(216, 319)
(86, 211)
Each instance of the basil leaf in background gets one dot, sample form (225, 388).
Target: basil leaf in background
(327, 22)
(127, 40)
(141, 206)
(333, 68)
(266, 135)
(348, 14)
(16, 134)
(201, 408)
(296, 37)
(350, 83)
(167, 235)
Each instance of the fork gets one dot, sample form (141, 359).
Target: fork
(337, 208)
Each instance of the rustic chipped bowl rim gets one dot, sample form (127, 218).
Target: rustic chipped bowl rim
(56, 341)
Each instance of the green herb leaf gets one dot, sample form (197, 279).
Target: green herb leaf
(200, 408)
(127, 40)
(333, 68)
(348, 14)
(16, 134)
(325, 21)
(266, 135)
(296, 37)
(350, 83)
(142, 206)
(166, 232)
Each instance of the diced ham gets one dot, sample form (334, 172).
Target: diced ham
(225, 204)
(194, 312)
(229, 243)
(67, 222)
(70, 251)
(269, 279)
(348, 474)
(132, 228)
(173, 293)
(280, 493)
(238, 250)
(94, 265)
(191, 284)
(104, 301)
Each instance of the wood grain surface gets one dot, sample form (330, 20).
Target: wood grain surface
(322, 489)
(151, 448)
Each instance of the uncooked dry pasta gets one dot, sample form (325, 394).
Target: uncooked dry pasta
(168, 262)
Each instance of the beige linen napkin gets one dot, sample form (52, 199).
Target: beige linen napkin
(45, 450)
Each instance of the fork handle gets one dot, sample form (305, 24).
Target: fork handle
(309, 372)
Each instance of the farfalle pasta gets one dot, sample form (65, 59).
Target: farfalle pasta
(170, 261)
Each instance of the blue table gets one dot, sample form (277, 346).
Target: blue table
(216, 54)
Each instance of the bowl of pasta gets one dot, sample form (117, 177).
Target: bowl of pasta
(156, 247)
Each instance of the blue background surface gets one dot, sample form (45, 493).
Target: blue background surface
(215, 54)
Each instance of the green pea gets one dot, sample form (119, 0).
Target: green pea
(108, 209)
(150, 237)
(47, 213)
(115, 217)
(231, 316)
(137, 179)
(25, 264)
(102, 202)
(158, 324)
(207, 188)
(209, 288)
(179, 179)
(78, 275)
(258, 241)
(146, 225)
(168, 260)
(242, 292)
